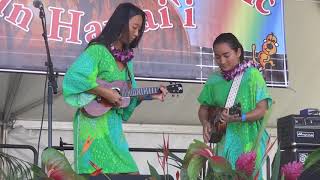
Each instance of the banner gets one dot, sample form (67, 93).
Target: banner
(176, 46)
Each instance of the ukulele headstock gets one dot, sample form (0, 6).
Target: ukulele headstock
(175, 89)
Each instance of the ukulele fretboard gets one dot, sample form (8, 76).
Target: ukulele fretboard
(140, 91)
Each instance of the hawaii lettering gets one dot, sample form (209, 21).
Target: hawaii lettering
(21, 17)
(165, 16)
(259, 5)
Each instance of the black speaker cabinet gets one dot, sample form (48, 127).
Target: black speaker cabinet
(295, 154)
(300, 155)
(298, 131)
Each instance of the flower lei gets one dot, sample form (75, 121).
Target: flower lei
(122, 56)
(241, 67)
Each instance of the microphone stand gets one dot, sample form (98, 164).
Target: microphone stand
(52, 82)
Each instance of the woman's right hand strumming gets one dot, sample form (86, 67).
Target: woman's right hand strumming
(112, 96)
(203, 114)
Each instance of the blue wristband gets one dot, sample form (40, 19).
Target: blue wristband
(147, 97)
(243, 117)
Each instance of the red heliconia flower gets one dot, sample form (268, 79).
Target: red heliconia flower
(55, 174)
(177, 175)
(163, 160)
(165, 147)
(292, 170)
(59, 174)
(246, 163)
(205, 152)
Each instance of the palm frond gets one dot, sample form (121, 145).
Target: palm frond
(15, 168)
(175, 158)
(312, 170)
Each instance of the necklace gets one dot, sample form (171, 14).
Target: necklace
(241, 67)
(122, 56)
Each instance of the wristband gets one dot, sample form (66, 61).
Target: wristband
(243, 117)
(147, 97)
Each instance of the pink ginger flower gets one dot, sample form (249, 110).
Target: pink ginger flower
(292, 170)
(246, 163)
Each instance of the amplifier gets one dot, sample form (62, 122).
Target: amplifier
(295, 154)
(300, 155)
(298, 131)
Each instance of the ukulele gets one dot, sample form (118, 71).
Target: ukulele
(219, 127)
(100, 106)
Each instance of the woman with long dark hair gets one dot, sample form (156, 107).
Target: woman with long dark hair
(100, 141)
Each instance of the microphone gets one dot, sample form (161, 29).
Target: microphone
(37, 4)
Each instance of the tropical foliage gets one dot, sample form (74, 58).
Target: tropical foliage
(199, 162)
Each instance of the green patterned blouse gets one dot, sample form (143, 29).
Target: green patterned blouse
(240, 136)
(98, 141)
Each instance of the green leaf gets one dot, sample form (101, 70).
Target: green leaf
(52, 158)
(220, 176)
(258, 167)
(210, 176)
(184, 174)
(176, 166)
(195, 166)
(266, 118)
(312, 159)
(153, 172)
(38, 173)
(276, 165)
(241, 175)
(175, 157)
(220, 165)
(193, 147)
